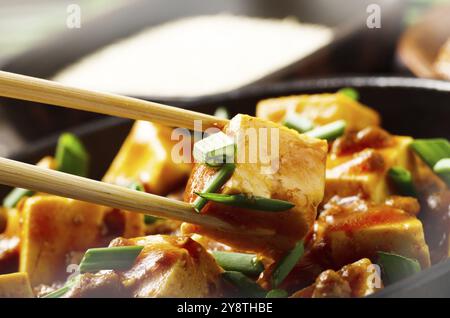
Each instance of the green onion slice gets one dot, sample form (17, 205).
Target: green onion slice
(297, 122)
(287, 263)
(329, 131)
(137, 186)
(247, 264)
(113, 258)
(61, 291)
(216, 182)
(215, 150)
(442, 168)
(246, 286)
(396, 267)
(71, 156)
(277, 293)
(431, 150)
(402, 180)
(349, 92)
(248, 202)
(222, 112)
(11, 200)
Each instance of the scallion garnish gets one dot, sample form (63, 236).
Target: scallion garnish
(137, 186)
(442, 168)
(287, 263)
(396, 267)
(246, 286)
(120, 257)
(71, 156)
(431, 150)
(247, 264)
(297, 122)
(248, 202)
(58, 293)
(349, 92)
(402, 180)
(63, 290)
(150, 219)
(277, 293)
(215, 150)
(11, 200)
(222, 112)
(329, 131)
(216, 182)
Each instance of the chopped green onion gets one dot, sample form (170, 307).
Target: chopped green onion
(431, 150)
(248, 202)
(121, 257)
(71, 156)
(11, 200)
(247, 264)
(246, 286)
(61, 291)
(216, 182)
(329, 131)
(402, 180)
(349, 92)
(137, 186)
(150, 219)
(442, 168)
(396, 267)
(222, 112)
(58, 293)
(215, 150)
(297, 122)
(277, 293)
(287, 263)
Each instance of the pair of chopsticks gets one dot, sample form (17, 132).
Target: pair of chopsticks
(17, 174)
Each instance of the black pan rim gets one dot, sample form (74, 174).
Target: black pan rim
(322, 83)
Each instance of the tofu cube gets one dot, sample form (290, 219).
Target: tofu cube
(320, 109)
(365, 173)
(52, 228)
(171, 266)
(350, 229)
(295, 173)
(145, 156)
(15, 285)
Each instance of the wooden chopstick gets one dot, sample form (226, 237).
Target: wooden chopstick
(53, 93)
(22, 175)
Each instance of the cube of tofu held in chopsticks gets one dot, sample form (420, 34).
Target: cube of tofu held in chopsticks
(145, 157)
(350, 229)
(15, 285)
(52, 228)
(358, 279)
(320, 109)
(294, 173)
(364, 171)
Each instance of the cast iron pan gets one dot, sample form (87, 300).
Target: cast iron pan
(416, 107)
